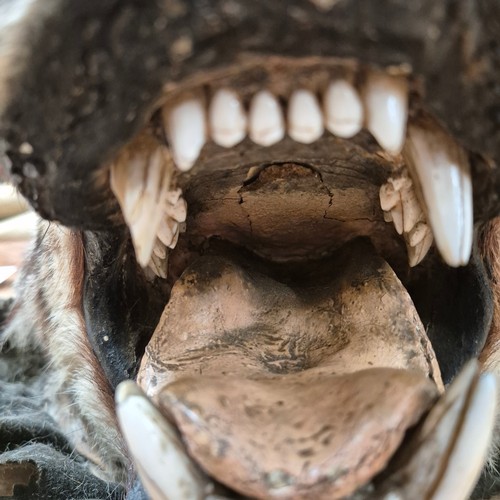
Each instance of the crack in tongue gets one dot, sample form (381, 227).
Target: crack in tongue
(291, 380)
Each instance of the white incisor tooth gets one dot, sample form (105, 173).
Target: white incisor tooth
(305, 121)
(447, 452)
(185, 125)
(386, 101)
(266, 122)
(141, 182)
(164, 467)
(343, 109)
(443, 171)
(227, 118)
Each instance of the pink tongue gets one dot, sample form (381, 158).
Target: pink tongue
(288, 386)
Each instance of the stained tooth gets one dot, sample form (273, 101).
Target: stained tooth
(445, 454)
(397, 217)
(142, 201)
(418, 233)
(305, 121)
(386, 101)
(164, 467)
(468, 455)
(400, 206)
(417, 252)
(228, 121)
(266, 122)
(167, 230)
(443, 171)
(186, 131)
(343, 109)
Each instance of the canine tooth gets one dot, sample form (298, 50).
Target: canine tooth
(468, 454)
(186, 131)
(227, 118)
(305, 122)
(165, 469)
(266, 122)
(445, 454)
(141, 201)
(343, 109)
(443, 171)
(386, 101)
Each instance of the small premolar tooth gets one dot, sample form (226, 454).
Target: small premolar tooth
(305, 121)
(227, 118)
(386, 100)
(443, 171)
(400, 206)
(266, 122)
(185, 124)
(343, 109)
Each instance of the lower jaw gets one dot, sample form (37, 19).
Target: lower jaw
(317, 379)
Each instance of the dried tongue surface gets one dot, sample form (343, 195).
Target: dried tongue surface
(296, 383)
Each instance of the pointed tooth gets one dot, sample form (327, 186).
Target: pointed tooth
(141, 202)
(266, 122)
(175, 238)
(387, 217)
(305, 121)
(418, 233)
(159, 249)
(397, 217)
(389, 197)
(178, 211)
(386, 101)
(343, 109)
(445, 454)
(443, 171)
(227, 118)
(417, 252)
(468, 455)
(166, 231)
(164, 467)
(185, 126)
(412, 212)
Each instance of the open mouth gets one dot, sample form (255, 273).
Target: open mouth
(282, 248)
(295, 207)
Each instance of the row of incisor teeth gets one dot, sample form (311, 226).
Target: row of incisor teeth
(382, 106)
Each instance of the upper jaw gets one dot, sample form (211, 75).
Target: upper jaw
(54, 174)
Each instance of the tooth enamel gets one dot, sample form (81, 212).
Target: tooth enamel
(446, 453)
(266, 122)
(417, 251)
(343, 109)
(386, 102)
(140, 184)
(305, 121)
(397, 217)
(443, 171)
(227, 118)
(400, 206)
(186, 131)
(167, 230)
(165, 469)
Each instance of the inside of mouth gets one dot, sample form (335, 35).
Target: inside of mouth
(290, 276)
